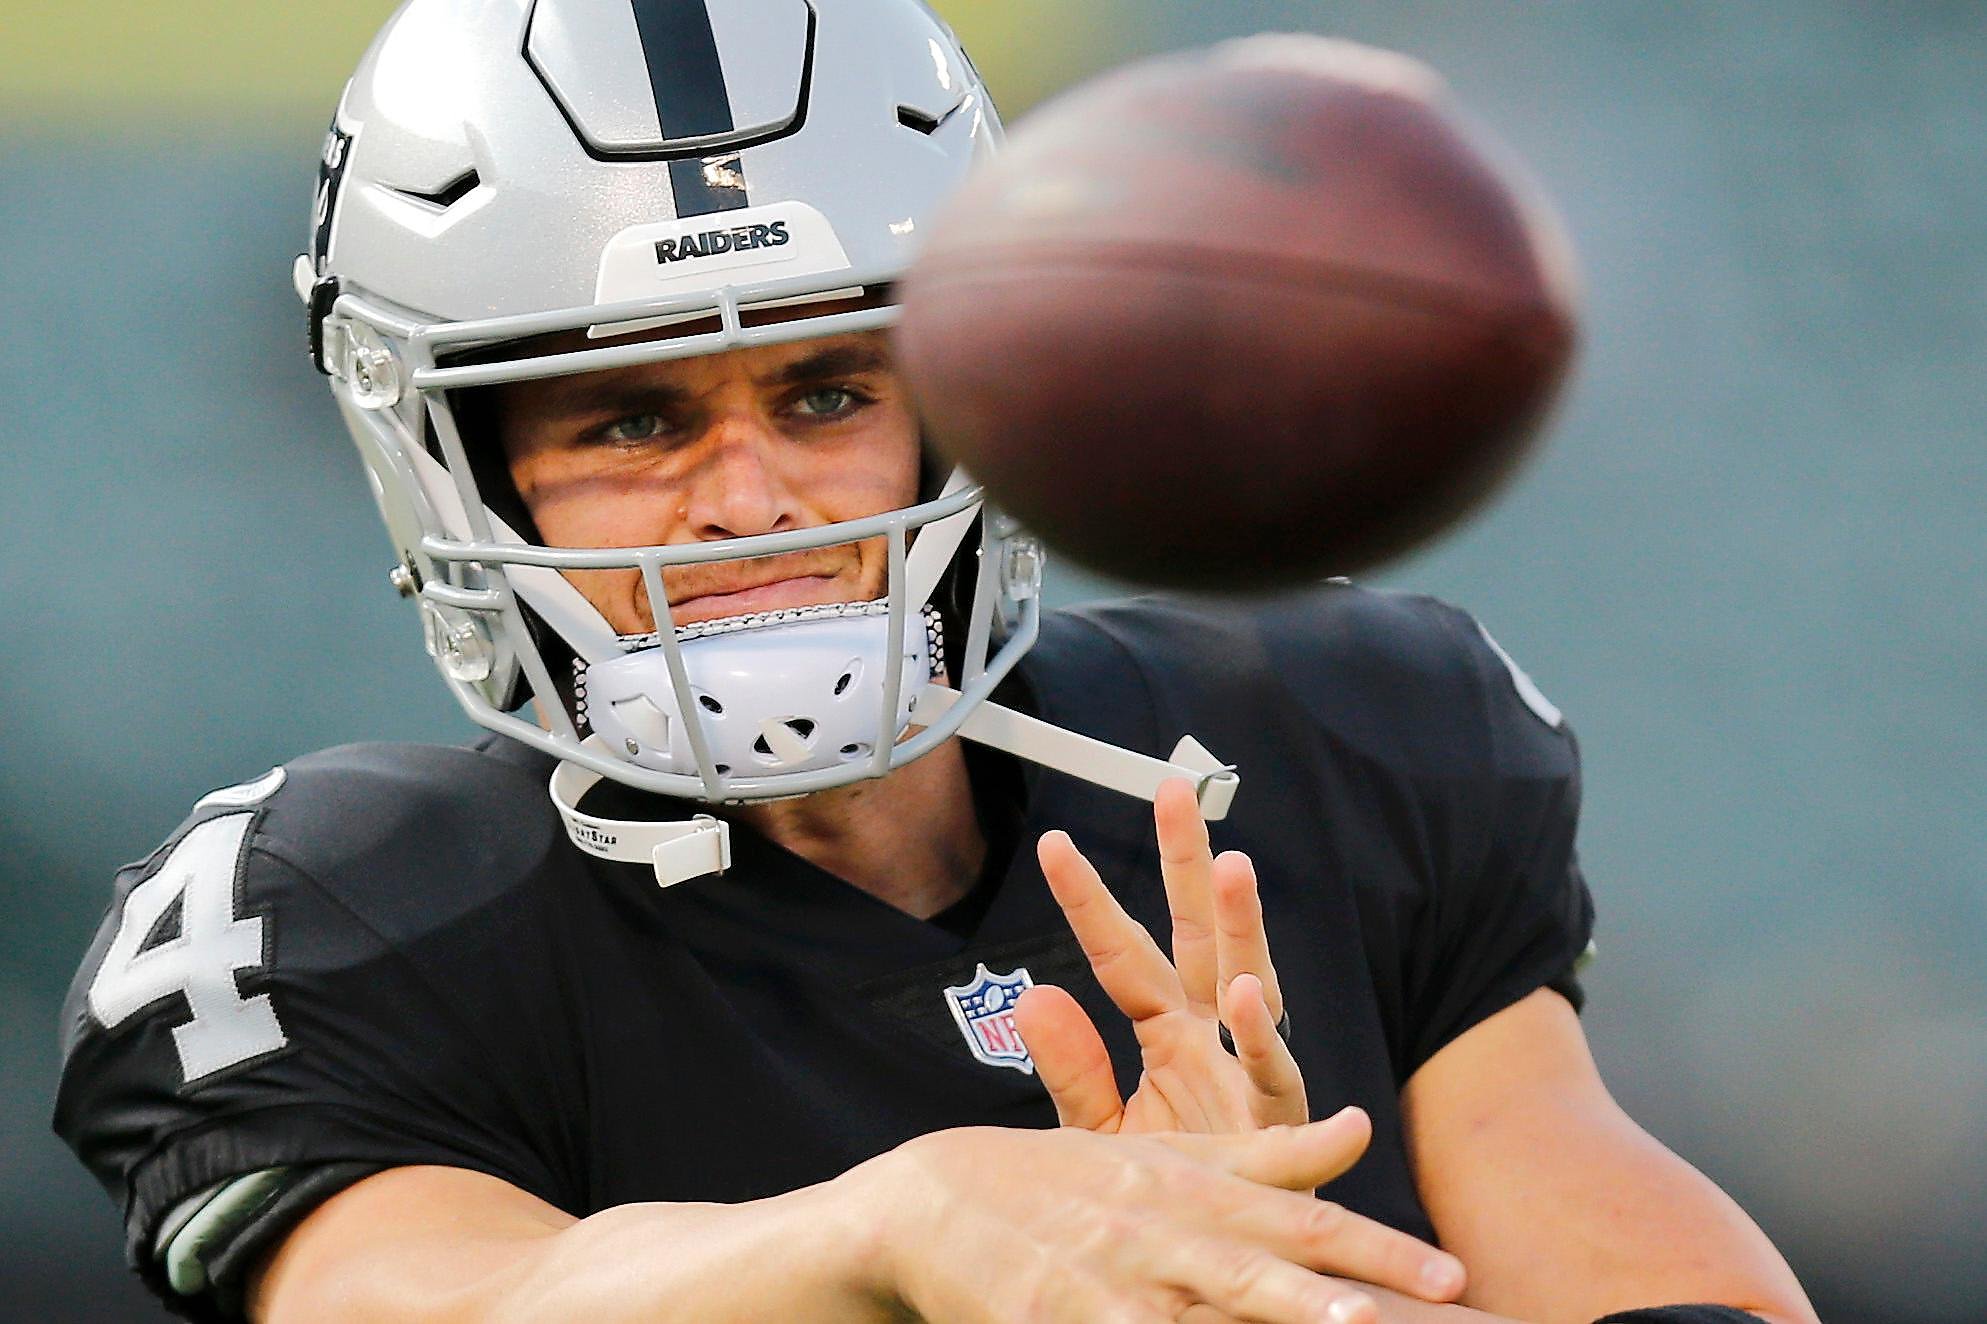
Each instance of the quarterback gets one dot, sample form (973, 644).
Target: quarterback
(821, 929)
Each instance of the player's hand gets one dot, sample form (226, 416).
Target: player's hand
(1220, 974)
(985, 1224)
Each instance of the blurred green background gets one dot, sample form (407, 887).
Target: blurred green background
(1750, 565)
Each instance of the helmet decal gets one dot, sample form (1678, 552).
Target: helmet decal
(330, 177)
(711, 184)
(784, 239)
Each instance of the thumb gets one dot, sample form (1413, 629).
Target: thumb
(1297, 1158)
(1070, 1058)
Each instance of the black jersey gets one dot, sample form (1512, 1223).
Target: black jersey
(392, 955)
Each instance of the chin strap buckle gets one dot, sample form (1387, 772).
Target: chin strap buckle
(1215, 782)
(678, 849)
(697, 846)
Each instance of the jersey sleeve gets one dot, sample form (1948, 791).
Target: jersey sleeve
(1388, 743)
(1512, 913)
(298, 979)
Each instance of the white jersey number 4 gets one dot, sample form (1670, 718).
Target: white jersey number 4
(225, 1028)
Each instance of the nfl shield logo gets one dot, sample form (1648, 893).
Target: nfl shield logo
(984, 1008)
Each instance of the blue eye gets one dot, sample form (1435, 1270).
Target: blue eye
(638, 427)
(826, 402)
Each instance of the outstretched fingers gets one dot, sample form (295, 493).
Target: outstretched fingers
(1188, 871)
(1123, 956)
(1242, 1281)
(1296, 1158)
(1278, 1097)
(1326, 1238)
(1316, 1234)
(1068, 1225)
(1242, 945)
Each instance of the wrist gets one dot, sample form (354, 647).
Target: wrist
(900, 1199)
(868, 1212)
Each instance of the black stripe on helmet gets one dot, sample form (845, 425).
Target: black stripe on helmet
(691, 101)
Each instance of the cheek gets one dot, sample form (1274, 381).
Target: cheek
(618, 596)
(885, 479)
(854, 495)
(573, 508)
(577, 505)
(878, 473)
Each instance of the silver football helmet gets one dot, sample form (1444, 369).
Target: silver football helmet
(500, 171)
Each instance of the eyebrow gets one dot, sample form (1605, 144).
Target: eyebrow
(831, 361)
(580, 396)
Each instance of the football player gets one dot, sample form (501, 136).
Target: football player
(809, 874)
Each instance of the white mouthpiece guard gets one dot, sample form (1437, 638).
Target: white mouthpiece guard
(786, 691)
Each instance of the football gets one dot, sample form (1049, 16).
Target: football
(1242, 317)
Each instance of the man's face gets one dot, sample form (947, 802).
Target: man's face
(751, 441)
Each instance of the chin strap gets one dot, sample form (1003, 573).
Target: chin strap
(677, 849)
(1082, 756)
(681, 849)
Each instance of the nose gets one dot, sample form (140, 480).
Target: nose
(738, 489)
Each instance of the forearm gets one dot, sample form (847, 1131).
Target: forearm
(795, 1256)
(970, 1223)
(399, 1256)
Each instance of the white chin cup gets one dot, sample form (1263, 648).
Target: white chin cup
(780, 697)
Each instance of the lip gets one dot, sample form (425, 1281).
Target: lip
(798, 591)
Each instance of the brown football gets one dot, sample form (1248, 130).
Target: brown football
(1242, 317)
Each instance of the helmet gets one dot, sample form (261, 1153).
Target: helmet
(504, 171)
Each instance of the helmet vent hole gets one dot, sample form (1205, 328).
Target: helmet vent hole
(853, 750)
(724, 770)
(917, 120)
(710, 705)
(847, 678)
(802, 727)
